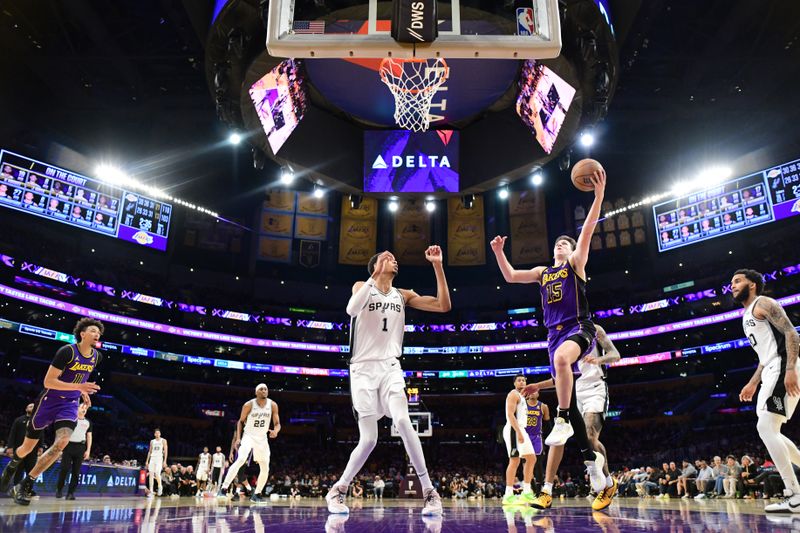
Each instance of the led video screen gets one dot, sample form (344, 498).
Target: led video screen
(732, 206)
(543, 102)
(280, 101)
(57, 194)
(404, 161)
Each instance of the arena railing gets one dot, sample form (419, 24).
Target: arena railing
(171, 304)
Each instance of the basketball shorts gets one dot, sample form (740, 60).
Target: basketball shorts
(202, 474)
(216, 474)
(583, 333)
(259, 447)
(592, 396)
(156, 466)
(513, 447)
(372, 383)
(538, 444)
(772, 397)
(52, 408)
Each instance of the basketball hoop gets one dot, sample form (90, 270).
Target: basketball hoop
(413, 83)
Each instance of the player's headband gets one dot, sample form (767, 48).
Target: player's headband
(261, 385)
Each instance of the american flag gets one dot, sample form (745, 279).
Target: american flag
(308, 26)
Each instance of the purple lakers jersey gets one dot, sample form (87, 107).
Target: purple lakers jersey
(535, 414)
(563, 296)
(75, 367)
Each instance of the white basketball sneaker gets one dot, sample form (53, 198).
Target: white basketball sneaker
(790, 503)
(596, 477)
(335, 499)
(433, 503)
(562, 430)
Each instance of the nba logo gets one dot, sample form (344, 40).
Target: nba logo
(525, 21)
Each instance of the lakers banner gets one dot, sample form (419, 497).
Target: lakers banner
(466, 235)
(412, 229)
(314, 228)
(358, 235)
(280, 200)
(308, 204)
(274, 249)
(277, 224)
(528, 221)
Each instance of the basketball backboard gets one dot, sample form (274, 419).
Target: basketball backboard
(510, 29)
(421, 423)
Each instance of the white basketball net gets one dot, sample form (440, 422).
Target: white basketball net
(413, 83)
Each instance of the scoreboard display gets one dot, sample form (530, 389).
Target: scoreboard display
(738, 204)
(57, 194)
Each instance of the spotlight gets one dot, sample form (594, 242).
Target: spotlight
(503, 193)
(355, 201)
(714, 175)
(587, 139)
(430, 206)
(319, 192)
(393, 205)
(468, 200)
(112, 175)
(537, 179)
(287, 175)
(234, 138)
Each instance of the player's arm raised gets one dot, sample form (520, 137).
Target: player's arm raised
(360, 295)
(276, 422)
(510, 274)
(580, 256)
(436, 304)
(611, 354)
(769, 309)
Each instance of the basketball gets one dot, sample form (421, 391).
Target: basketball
(582, 172)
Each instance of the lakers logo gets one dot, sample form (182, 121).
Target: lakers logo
(78, 367)
(552, 276)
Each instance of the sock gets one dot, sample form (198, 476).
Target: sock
(609, 482)
(547, 488)
(509, 490)
(563, 413)
(526, 488)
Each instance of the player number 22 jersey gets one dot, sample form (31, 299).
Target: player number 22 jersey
(257, 425)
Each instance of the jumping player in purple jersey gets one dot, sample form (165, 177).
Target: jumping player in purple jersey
(65, 384)
(570, 334)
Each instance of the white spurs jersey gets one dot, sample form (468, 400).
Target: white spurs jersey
(766, 340)
(376, 332)
(590, 374)
(205, 459)
(257, 425)
(218, 460)
(157, 449)
(522, 411)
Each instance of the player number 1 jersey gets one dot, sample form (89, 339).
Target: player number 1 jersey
(376, 332)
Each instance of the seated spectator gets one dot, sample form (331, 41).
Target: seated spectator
(650, 481)
(686, 479)
(732, 478)
(188, 485)
(358, 490)
(705, 480)
(748, 484)
(377, 487)
(720, 472)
